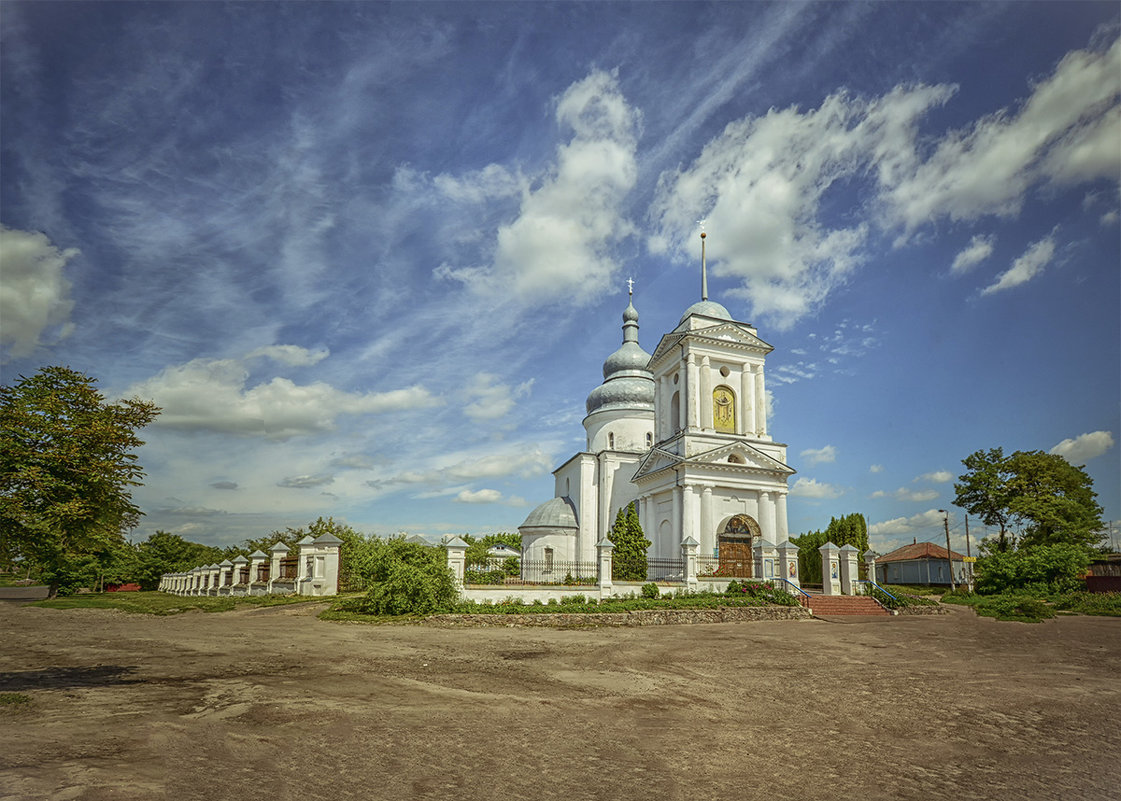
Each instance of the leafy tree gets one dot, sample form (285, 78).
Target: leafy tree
(478, 548)
(1056, 567)
(629, 556)
(1044, 496)
(66, 470)
(852, 529)
(407, 578)
(169, 553)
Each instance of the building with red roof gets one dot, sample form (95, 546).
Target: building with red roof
(921, 563)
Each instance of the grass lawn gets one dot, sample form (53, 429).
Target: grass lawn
(160, 603)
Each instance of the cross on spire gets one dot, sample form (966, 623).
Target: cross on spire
(630, 286)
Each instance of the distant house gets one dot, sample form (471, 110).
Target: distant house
(501, 551)
(1105, 574)
(920, 563)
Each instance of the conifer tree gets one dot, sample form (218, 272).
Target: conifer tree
(629, 557)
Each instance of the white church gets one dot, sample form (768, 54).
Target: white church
(683, 433)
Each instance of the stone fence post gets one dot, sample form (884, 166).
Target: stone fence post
(830, 569)
(305, 566)
(870, 564)
(764, 554)
(277, 552)
(689, 557)
(257, 560)
(457, 560)
(605, 552)
(788, 562)
(849, 576)
(226, 578)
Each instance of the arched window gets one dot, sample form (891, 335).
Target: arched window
(724, 410)
(649, 440)
(611, 441)
(675, 412)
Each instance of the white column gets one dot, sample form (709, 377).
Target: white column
(745, 422)
(457, 560)
(706, 394)
(689, 512)
(677, 523)
(708, 536)
(830, 569)
(781, 531)
(760, 404)
(690, 396)
(767, 515)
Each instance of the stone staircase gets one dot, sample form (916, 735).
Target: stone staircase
(830, 605)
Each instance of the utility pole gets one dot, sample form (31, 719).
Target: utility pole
(969, 555)
(949, 553)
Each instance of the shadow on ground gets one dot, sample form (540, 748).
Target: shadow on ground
(62, 678)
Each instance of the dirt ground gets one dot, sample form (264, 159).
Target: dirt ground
(274, 704)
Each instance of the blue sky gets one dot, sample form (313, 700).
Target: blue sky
(370, 258)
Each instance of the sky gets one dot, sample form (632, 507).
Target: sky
(369, 258)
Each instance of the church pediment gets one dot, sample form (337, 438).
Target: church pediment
(726, 334)
(740, 455)
(655, 461)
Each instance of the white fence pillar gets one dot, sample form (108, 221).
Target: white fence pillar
(870, 564)
(605, 551)
(830, 569)
(457, 560)
(689, 558)
(849, 575)
(277, 553)
(764, 553)
(788, 562)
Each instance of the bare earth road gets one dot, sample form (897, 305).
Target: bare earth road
(274, 704)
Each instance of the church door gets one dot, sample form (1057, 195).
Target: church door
(735, 541)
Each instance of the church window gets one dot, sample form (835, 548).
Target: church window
(675, 412)
(724, 410)
(649, 440)
(724, 371)
(735, 458)
(548, 560)
(611, 441)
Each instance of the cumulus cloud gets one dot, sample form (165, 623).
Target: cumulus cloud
(34, 292)
(876, 468)
(515, 459)
(211, 394)
(979, 248)
(479, 496)
(811, 488)
(907, 525)
(558, 246)
(763, 182)
(904, 494)
(1026, 267)
(1084, 447)
(820, 455)
(936, 477)
(490, 399)
(1065, 132)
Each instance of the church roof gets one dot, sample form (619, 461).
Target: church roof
(554, 513)
(735, 457)
(706, 308)
(627, 383)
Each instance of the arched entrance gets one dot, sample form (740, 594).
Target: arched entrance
(734, 542)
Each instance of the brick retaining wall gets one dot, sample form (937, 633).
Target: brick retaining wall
(640, 617)
(922, 610)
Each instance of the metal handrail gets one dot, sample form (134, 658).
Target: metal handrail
(878, 587)
(792, 584)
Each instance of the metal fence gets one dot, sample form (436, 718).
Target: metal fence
(547, 571)
(724, 568)
(289, 567)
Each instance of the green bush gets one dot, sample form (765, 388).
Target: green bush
(411, 589)
(650, 590)
(1044, 568)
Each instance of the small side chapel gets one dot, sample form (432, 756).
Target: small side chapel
(683, 433)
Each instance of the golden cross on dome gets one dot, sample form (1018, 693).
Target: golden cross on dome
(630, 286)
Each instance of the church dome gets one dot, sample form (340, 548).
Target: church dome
(706, 308)
(627, 384)
(554, 513)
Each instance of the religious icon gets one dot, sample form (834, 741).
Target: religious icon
(793, 569)
(833, 570)
(724, 410)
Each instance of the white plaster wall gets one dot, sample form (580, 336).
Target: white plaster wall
(629, 427)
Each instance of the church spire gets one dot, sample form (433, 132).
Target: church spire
(704, 270)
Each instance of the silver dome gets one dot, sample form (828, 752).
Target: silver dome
(554, 513)
(627, 384)
(706, 308)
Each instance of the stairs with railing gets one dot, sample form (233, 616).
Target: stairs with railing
(831, 605)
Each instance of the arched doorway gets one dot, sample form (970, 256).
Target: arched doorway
(734, 543)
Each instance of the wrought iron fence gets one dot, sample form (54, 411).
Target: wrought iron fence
(547, 571)
(263, 573)
(243, 575)
(665, 570)
(289, 568)
(724, 568)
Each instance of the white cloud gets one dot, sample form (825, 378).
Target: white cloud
(291, 355)
(1110, 218)
(479, 496)
(34, 293)
(876, 468)
(305, 482)
(904, 494)
(907, 525)
(937, 477)
(1026, 267)
(979, 248)
(820, 455)
(811, 488)
(514, 459)
(762, 183)
(559, 244)
(1063, 132)
(491, 400)
(211, 394)
(1084, 447)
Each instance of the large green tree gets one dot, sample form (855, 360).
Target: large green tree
(66, 470)
(1042, 495)
(629, 557)
(169, 553)
(850, 529)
